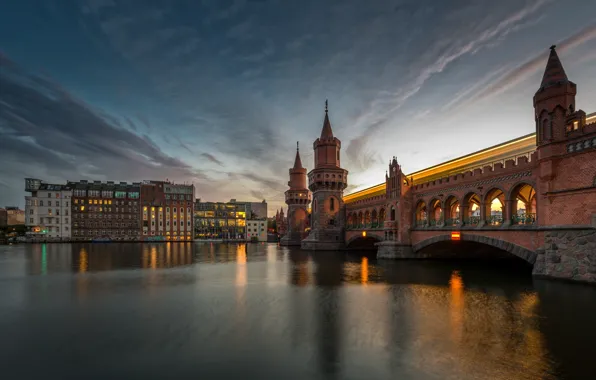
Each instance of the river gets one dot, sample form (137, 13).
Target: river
(259, 311)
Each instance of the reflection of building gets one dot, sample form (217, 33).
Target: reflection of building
(218, 220)
(47, 210)
(106, 211)
(256, 230)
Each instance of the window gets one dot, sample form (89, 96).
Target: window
(545, 130)
(49, 195)
(41, 203)
(31, 211)
(575, 125)
(65, 220)
(31, 220)
(174, 209)
(332, 204)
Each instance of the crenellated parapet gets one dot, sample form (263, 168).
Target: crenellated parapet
(493, 170)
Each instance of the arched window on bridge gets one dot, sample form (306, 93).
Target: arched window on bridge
(452, 211)
(436, 212)
(421, 217)
(367, 218)
(495, 207)
(471, 209)
(350, 220)
(524, 204)
(392, 213)
(382, 216)
(360, 219)
(374, 219)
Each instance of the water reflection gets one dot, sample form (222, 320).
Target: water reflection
(336, 316)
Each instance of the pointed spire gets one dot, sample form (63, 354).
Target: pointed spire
(554, 71)
(297, 161)
(326, 133)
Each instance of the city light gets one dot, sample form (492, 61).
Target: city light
(455, 236)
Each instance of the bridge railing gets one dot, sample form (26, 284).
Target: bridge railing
(527, 218)
(495, 220)
(452, 222)
(472, 221)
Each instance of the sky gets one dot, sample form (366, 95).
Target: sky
(217, 93)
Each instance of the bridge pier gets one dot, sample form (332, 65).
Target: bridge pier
(292, 238)
(390, 249)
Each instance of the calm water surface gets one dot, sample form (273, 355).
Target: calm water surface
(258, 311)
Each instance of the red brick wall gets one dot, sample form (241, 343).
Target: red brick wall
(562, 205)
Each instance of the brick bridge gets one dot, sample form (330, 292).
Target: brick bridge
(533, 197)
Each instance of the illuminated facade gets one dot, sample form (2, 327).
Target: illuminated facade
(47, 209)
(167, 211)
(105, 211)
(219, 220)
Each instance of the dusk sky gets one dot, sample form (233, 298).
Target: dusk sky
(218, 92)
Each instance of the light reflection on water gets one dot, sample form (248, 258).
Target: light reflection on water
(258, 310)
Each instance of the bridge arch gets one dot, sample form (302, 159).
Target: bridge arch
(364, 242)
(514, 249)
(374, 217)
(471, 203)
(452, 209)
(382, 215)
(350, 220)
(435, 211)
(420, 213)
(494, 206)
(523, 205)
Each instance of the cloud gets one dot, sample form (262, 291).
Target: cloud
(536, 63)
(212, 158)
(50, 132)
(444, 52)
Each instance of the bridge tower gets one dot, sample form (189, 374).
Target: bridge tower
(398, 221)
(297, 199)
(327, 182)
(559, 128)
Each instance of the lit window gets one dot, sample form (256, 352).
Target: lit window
(152, 208)
(575, 125)
(82, 208)
(145, 208)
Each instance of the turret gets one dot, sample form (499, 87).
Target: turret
(327, 147)
(554, 102)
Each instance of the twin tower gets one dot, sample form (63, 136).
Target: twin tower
(327, 182)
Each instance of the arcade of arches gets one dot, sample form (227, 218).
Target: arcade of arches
(494, 208)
